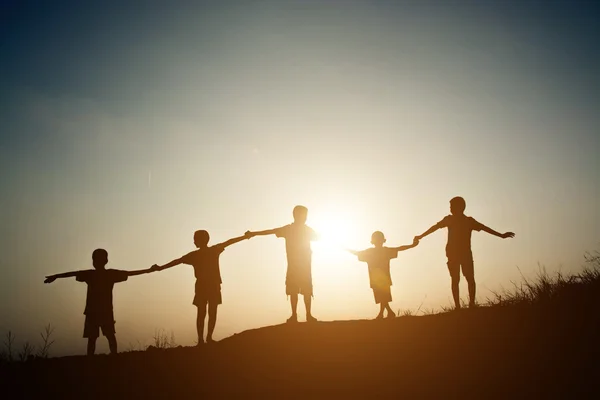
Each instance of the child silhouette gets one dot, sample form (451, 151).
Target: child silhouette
(99, 302)
(298, 278)
(378, 259)
(458, 247)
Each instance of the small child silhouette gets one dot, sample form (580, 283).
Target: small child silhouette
(205, 261)
(298, 278)
(458, 247)
(378, 260)
(99, 302)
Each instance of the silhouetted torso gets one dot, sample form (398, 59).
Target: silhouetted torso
(99, 291)
(378, 260)
(206, 266)
(297, 242)
(459, 234)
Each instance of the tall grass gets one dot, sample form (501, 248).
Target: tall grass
(27, 350)
(558, 290)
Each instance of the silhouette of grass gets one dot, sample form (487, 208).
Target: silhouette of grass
(27, 351)
(558, 290)
(47, 341)
(7, 353)
(162, 340)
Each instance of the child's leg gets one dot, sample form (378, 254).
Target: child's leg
(91, 346)
(472, 288)
(381, 308)
(308, 305)
(456, 292)
(389, 310)
(469, 274)
(212, 320)
(200, 322)
(294, 303)
(454, 269)
(112, 343)
(91, 331)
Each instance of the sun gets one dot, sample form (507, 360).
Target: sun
(337, 233)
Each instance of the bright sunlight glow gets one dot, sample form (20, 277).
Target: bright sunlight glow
(337, 231)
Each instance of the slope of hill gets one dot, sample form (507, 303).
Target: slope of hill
(541, 346)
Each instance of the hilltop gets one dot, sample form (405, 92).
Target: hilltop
(480, 353)
(541, 341)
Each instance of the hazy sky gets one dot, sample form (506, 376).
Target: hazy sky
(129, 127)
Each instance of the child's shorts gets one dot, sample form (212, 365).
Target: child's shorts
(304, 289)
(207, 295)
(298, 279)
(456, 265)
(95, 322)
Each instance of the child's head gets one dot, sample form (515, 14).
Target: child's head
(457, 205)
(377, 239)
(300, 214)
(99, 258)
(201, 238)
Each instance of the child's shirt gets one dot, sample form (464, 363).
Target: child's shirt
(99, 289)
(206, 266)
(459, 234)
(378, 260)
(297, 242)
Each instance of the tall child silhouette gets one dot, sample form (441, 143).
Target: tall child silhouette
(99, 302)
(458, 247)
(378, 259)
(298, 278)
(205, 261)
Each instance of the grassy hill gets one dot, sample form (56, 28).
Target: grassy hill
(539, 341)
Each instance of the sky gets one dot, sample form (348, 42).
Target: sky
(130, 126)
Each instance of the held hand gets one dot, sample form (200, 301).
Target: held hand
(50, 279)
(415, 241)
(248, 234)
(506, 235)
(154, 268)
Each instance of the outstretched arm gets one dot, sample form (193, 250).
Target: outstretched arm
(504, 235)
(428, 232)
(141, 271)
(408, 246)
(173, 263)
(52, 278)
(352, 251)
(234, 240)
(261, 233)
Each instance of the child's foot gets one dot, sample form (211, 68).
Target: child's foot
(379, 316)
(292, 319)
(391, 314)
(310, 318)
(210, 341)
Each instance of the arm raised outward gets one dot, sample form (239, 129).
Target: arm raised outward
(52, 278)
(408, 246)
